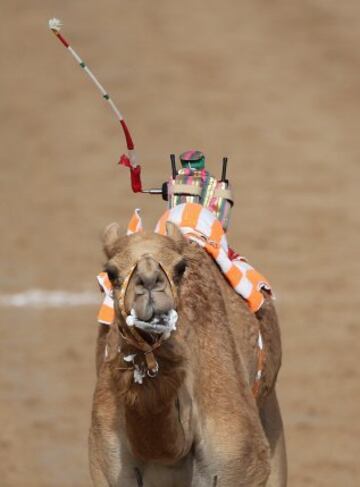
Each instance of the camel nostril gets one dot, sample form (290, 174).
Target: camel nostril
(159, 284)
(149, 283)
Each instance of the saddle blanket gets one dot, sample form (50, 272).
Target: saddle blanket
(198, 224)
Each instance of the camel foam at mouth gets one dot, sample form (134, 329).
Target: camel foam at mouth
(160, 325)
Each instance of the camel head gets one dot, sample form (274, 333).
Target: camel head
(145, 269)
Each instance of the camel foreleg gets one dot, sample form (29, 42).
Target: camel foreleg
(108, 467)
(228, 458)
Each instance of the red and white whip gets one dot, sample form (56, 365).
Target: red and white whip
(130, 160)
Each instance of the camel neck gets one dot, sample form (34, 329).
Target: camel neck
(162, 436)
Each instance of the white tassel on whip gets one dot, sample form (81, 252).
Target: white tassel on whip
(55, 24)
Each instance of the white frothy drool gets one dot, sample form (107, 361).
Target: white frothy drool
(163, 324)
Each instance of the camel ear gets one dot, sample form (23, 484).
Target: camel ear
(110, 236)
(174, 232)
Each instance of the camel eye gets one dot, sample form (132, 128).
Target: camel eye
(113, 274)
(179, 270)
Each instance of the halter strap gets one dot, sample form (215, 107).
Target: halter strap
(130, 334)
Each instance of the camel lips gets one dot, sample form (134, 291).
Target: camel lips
(163, 324)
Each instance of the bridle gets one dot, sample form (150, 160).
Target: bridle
(130, 333)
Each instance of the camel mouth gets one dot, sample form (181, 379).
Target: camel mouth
(159, 324)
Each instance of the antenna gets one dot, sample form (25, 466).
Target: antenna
(173, 166)
(223, 172)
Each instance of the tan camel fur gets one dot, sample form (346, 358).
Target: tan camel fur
(196, 423)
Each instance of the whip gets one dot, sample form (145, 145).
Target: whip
(130, 160)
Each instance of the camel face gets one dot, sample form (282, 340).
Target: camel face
(153, 265)
(149, 292)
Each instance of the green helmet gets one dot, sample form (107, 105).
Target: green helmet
(194, 159)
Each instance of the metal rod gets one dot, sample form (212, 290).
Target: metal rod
(173, 165)
(224, 167)
(152, 191)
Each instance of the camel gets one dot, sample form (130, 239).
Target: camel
(180, 411)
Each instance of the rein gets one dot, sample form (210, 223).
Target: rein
(130, 334)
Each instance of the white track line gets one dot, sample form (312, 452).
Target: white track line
(39, 298)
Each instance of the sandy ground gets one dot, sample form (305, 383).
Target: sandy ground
(273, 84)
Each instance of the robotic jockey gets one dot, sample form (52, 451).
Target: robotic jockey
(194, 184)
